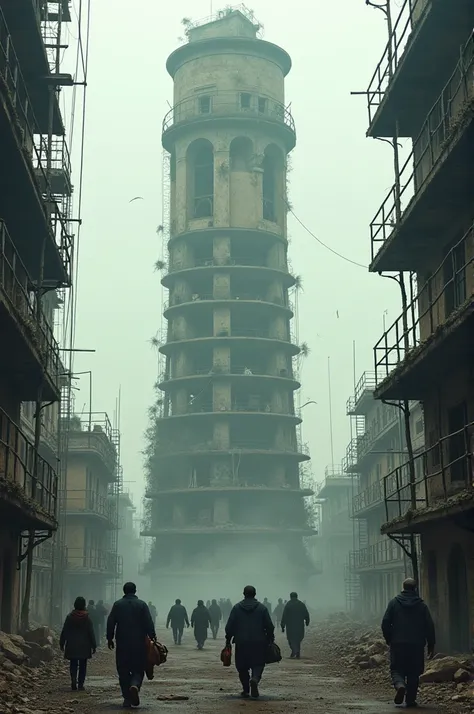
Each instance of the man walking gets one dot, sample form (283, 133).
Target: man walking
(130, 622)
(407, 627)
(177, 616)
(200, 620)
(295, 617)
(101, 613)
(94, 618)
(278, 612)
(268, 605)
(153, 612)
(216, 616)
(251, 628)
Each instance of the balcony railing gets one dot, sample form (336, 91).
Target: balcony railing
(31, 138)
(441, 471)
(429, 307)
(260, 407)
(18, 288)
(428, 149)
(384, 552)
(91, 559)
(83, 501)
(94, 431)
(238, 445)
(18, 458)
(215, 17)
(365, 384)
(228, 103)
(208, 297)
(60, 163)
(371, 496)
(235, 332)
(233, 371)
(410, 13)
(217, 262)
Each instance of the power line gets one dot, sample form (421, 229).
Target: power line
(339, 255)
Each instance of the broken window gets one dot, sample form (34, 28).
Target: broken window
(245, 100)
(204, 104)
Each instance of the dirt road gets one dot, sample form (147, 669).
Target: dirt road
(305, 685)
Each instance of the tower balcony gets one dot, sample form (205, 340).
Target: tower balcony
(229, 490)
(434, 329)
(31, 354)
(81, 503)
(172, 449)
(209, 301)
(425, 40)
(93, 436)
(260, 337)
(413, 221)
(237, 374)
(28, 483)
(238, 266)
(22, 203)
(239, 409)
(236, 106)
(363, 446)
(367, 500)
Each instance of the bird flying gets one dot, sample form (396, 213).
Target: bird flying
(137, 198)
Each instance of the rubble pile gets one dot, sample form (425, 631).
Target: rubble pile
(362, 653)
(25, 664)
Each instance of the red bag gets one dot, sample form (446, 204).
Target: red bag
(156, 654)
(226, 656)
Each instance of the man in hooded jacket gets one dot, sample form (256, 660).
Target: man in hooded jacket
(200, 621)
(295, 617)
(407, 627)
(251, 628)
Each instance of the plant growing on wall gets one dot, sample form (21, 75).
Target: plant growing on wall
(160, 265)
(304, 349)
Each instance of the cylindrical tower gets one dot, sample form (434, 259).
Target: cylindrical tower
(227, 501)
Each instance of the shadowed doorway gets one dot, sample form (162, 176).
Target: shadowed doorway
(459, 639)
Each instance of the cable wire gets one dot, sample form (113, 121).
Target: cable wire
(339, 255)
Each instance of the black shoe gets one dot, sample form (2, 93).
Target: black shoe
(134, 696)
(81, 688)
(292, 656)
(244, 695)
(74, 686)
(254, 689)
(126, 704)
(400, 694)
(297, 656)
(411, 705)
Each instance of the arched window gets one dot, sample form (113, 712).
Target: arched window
(272, 170)
(200, 161)
(241, 150)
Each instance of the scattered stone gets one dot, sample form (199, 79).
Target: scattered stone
(441, 670)
(377, 660)
(462, 675)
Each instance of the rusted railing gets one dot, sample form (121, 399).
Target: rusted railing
(410, 13)
(33, 142)
(366, 383)
(428, 148)
(17, 466)
(428, 308)
(209, 297)
(103, 561)
(87, 501)
(237, 446)
(94, 431)
(441, 471)
(371, 496)
(383, 552)
(228, 103)
(18, 289)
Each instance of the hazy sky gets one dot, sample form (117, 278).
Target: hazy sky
(338, 182)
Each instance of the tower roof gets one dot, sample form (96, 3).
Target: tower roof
(232, 23)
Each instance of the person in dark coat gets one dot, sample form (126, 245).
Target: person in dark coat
(101, 614)
(295, 617)
(268, 605)
(251, 628)
(130, 623)
(178, 617)
(278, 612)
(408, 627)
(94, 618)
(216, 616)
(78, 642)
(153, 611)
(201, 621)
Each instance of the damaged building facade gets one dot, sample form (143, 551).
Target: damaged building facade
(423, 90)
(377, 447)
(35, 261)
(223, 476)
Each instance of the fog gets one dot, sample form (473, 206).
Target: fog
(338, 180)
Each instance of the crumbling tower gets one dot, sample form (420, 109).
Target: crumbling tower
(225, 479)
